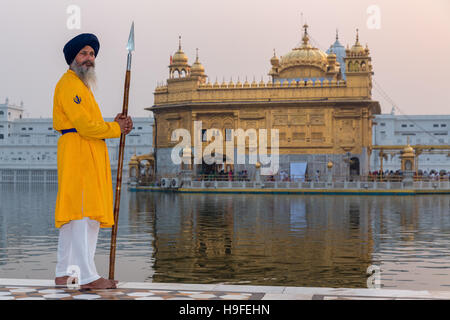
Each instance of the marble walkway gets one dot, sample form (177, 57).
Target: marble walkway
(26, 289)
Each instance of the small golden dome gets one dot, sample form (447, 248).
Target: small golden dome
(275, 61)
(408, 149)
(262, 84)
(258, 165)
(224, 84)
(133, 160)
(331, 58)
(330, 164)
(357, 47)
(197, 68)
(179, 57)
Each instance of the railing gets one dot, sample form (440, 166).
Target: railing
(28, 176)
(345, 185)
(42, 176)
(221, 177)
(318, 178)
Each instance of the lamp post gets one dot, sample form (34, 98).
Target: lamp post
(329, 172)
(258, 173)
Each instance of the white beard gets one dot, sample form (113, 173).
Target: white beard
(86, 74)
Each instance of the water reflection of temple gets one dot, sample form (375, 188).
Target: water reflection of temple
(282, 240)
(231, 239)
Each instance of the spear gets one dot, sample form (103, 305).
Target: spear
(112, 255)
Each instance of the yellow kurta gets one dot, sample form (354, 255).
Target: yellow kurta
(84, 174)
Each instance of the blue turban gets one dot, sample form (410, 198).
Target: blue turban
(74, 46)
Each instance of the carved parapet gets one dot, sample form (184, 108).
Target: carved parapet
(277, 91)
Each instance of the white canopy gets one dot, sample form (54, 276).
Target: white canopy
(298, 171)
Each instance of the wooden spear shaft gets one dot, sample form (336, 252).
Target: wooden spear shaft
(112, 255)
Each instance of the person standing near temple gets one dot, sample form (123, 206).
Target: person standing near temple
(84, 202)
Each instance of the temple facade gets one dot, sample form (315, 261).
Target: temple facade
(319, 102)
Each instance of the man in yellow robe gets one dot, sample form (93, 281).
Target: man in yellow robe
(85, 197)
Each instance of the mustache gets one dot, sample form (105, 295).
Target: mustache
(88, 64)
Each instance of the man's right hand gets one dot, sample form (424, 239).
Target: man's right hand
(125, 123)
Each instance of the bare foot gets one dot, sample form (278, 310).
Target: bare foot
(62, 281)
(100, 284)
(114, 281)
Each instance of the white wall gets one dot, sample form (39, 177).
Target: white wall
(421, 130)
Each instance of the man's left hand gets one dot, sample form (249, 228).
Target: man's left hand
(127, 121)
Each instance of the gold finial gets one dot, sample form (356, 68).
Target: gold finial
(179, 43)
(357, 36)
(306, 28)
(196, 57)
(305, 36)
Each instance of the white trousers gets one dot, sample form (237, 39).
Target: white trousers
(76, 250)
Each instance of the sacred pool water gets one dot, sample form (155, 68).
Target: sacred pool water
(288, 240)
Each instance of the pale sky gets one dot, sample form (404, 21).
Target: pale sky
(410, 51)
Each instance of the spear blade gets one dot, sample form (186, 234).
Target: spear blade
(130, 45)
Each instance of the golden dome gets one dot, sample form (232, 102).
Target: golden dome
(197, 68)
(357, 47)
(133, 160)
(274, 61)
(408, 149)
(331, 56)
(304, 55)
(179, 57)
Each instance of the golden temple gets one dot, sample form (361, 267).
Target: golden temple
(320, 103)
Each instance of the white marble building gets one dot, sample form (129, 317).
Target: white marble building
(28, 145)
(391, 129)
